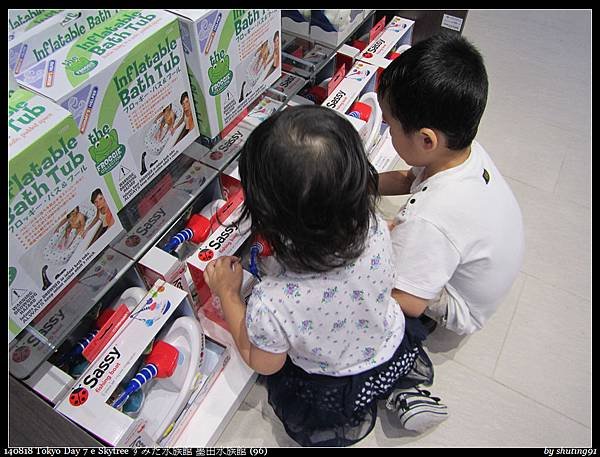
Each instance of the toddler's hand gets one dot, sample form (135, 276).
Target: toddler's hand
(224, 276)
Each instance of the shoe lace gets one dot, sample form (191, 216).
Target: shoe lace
(399, 399)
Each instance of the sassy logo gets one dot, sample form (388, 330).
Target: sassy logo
(79, 396)
(219, 73)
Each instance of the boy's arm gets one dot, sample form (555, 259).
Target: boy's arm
(411, 305)
(395, 182)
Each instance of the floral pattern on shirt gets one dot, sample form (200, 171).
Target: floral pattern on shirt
(329, 294)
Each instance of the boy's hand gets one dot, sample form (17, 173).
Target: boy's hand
(224, 276)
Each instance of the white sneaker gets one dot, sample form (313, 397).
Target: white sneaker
(417, 410)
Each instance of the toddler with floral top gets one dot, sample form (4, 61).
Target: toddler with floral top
(321, 323)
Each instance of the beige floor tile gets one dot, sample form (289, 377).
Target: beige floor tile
(557, 239)
(483, 413)
(481, 350)
(547, 353)
(250, 428)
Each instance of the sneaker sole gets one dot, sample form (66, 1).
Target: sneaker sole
(423, 417)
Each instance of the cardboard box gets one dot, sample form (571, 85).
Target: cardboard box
(21, 21)
(332, 27)
(125, 82)
(225, 240)
(296, 22)
(216, 357)
(288, 85)
(52, 34)
(55, 227)
(89, 401)
(233, 56)
(358, 80)
(398, 32)
(158, 264)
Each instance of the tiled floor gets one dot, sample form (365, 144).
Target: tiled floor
(525, 379)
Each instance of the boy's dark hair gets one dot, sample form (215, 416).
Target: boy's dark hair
(183, 96)
(309, 188)
(439, 83)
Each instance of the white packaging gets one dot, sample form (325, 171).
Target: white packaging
(358, 80)
(158, 264)
(54, 33)
(126, 84)
(225, 240)
(332, 27)
(226, 149)
(89, 402)
(233, 56)
(21, 21)
(296, 22)
(397, 33)
(61, 214)
(288, 84)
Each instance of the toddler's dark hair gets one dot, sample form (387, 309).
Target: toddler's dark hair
(309, 188)
(440, 83)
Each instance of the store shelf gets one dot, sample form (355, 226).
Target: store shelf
(316, 55)
(51, 328)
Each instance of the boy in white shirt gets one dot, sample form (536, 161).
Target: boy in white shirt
(458, 242)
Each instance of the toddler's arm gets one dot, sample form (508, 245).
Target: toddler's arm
(395, 182)
(224, 277)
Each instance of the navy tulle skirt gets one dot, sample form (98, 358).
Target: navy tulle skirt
(320, 410)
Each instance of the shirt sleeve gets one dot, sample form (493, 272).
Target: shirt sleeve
(425, 259)
(263, 328)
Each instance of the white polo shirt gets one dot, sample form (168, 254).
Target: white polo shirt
(461, 229)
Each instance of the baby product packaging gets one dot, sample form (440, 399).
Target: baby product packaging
(396, 36)
(358, 80)
(224, 240)
(125, 82)
(61, 214)
(35, 44)
(233, 56)
(90, 400)
(332, 27)
(21, 21)
(296, 22)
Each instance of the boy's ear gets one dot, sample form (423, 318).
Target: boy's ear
(429, 139)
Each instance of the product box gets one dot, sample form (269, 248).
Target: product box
(212, 307)
(91, 400)
(332, 27)
(384, 157)
(125, 82)
(288, 85)
(263, 110)
(216, 358)
(61, 214)
(225, 240)
(226, 149)
(158, 264)
(296, 22)
(357, 81)
(396, 36)
(21, 21)
(233, 56)
(54, 33)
